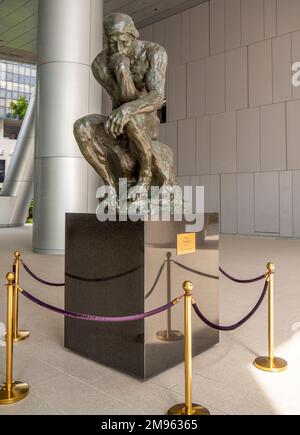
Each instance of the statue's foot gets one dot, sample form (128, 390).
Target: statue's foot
(140, 192)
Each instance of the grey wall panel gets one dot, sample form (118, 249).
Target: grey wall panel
(196, 89)
(286, 204)
(296, 58)
(173, 43)
(260, 74)
(212, 185)
(288, 15)
(252, 21)
(273, 138)
(248, 140)
(296, 203)
(159, 32)
(293, 134)
(215, 84)
(229, 204)
(232, 24)
(200, 31)
(203, 145)
(186, 36)
(270, 18)
(267, 203)
(177, 93)
(237, 79)
(187, 147)
(163, 133)
(245, 199)
(217, 26)
(146, 33)
(223, 143)
(282, 61)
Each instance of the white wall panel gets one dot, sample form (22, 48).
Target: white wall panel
(270, 18)
(248, 140)
(237, 79)
(296, 203)
(215, 84)
(286, 204)
(212, 193)
(260, 74)
(228, 204)
(196, 88)
(282, 61)
(187, 147)
(245, 199)
(203, 146)
(252, 21)
(293, 135)
(176, 105)
(223, 143)
(200, 31)
(232, 24)
(267, 203)
(288, 16)
(217, 26)
(273, 137)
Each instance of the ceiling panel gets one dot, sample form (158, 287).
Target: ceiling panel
(18, 21)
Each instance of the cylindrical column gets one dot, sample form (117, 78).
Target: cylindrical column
(70, 37)
(188, 408)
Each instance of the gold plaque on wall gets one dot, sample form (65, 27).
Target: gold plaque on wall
(186, 244)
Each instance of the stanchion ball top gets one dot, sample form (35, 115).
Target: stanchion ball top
(17, 254)
(10, 278)
(271, 267)
(188, 286)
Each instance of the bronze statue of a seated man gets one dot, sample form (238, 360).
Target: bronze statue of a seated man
(126, 145)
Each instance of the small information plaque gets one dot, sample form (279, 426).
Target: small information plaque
(186, 243)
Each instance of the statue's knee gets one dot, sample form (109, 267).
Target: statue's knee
(134, 125)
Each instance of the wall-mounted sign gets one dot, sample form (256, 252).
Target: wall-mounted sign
(2, 171)
(186, 243)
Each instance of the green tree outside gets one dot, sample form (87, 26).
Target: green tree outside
(19, 108)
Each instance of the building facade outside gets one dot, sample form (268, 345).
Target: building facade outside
(9, 130)
(16, 80)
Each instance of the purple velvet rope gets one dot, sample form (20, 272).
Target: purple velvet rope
(98, 319)
(237, 325)
(42, 281)
(242, 281)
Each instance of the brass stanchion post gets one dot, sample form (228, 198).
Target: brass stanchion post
(17, 335)
(11, 391)
(188, 408)
(271, 363)
(169, 335)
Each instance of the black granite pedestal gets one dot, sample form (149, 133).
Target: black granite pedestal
(111, 267)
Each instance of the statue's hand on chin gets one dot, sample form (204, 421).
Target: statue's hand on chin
(118, 60)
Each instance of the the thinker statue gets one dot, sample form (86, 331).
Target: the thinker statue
(126, 144)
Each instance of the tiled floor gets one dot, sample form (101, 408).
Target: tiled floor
(224, 377)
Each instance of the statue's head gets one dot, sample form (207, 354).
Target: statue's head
(120, 32)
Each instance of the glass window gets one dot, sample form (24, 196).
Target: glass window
(2, 93)
(16, 86)
(21, 88)
(33, 73)
(3, 84)
(8, 94)
(27, 72)
(2, 111)
(8, 103)
(3, 66)
(27, 80)
(2, 102)
(22, 70)
(3, 75)
(9, 77)
(16, 78)
(15, 95)
(22, 79)
(16, 69)
(9, 68)
(9, 86)
(27, 89)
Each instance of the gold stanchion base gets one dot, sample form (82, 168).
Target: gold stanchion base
(22, 335)
(181, 410)
(18, 392)
(170, 336)
(267, 365)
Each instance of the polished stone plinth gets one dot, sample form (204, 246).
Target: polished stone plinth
(100, 251)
